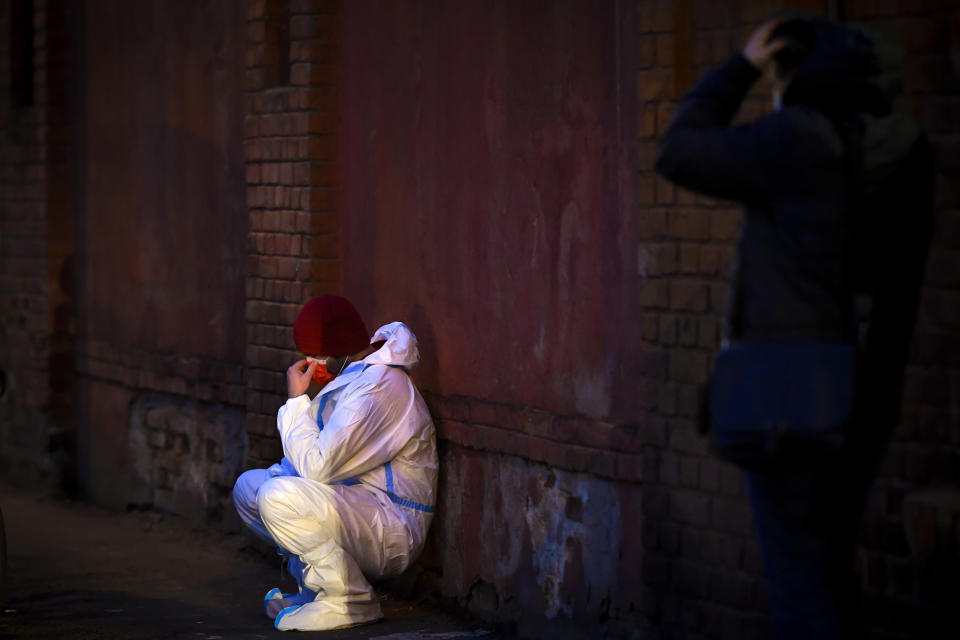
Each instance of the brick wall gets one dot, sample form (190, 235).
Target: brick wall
(291, 152)
(35, 276)
(702, 567)
(189, 453)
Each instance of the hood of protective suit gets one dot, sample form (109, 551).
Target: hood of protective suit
(851, 70)
(400, 348)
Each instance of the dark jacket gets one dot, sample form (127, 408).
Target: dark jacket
(837, 195)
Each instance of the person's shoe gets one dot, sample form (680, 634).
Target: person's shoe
(275, 601)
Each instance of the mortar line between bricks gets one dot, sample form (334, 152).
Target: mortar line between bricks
(140, 389)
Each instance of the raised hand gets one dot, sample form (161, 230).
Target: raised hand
(298, 378)
(758, 49)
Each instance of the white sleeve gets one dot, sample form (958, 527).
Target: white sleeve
(296, 430)
(361, 434)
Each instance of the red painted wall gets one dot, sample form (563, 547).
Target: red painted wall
(163, 221)
(487, 195)
(165, 207)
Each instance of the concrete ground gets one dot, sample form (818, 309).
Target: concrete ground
(81, 572)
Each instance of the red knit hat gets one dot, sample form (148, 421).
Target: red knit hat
(329, 326)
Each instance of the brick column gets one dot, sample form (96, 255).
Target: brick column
(35, 242)
(291, 150)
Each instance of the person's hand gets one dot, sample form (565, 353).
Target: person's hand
(757, 50)
(298, 379)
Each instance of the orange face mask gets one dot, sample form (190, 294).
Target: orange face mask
(321, 375)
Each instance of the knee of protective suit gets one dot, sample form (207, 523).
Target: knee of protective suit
(245, 492)
(274, 499)
(284, 501)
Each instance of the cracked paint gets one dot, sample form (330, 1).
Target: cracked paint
(556, 536)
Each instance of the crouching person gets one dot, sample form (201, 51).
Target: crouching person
(353, 496)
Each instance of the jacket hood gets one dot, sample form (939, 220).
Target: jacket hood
(850, 72)
(848, 68)
(887, 141)
(400, 348)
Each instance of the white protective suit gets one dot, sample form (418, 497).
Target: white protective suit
(353, 497)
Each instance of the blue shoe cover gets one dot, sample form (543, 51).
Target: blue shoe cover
(275, 601)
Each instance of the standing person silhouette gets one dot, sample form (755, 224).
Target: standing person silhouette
(837, 188)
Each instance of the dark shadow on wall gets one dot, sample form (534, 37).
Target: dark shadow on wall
(426, 374)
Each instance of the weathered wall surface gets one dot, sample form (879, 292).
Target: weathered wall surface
(557, 553)
(187, 453)
(474, 182)
(488, 202)
(486, 181)
(162, 233)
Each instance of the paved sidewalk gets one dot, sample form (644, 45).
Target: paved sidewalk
(81, 572)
